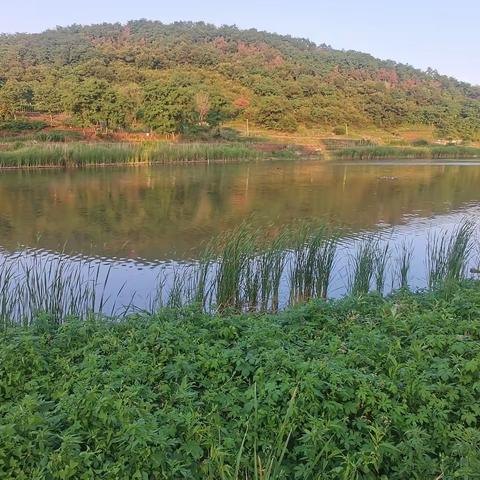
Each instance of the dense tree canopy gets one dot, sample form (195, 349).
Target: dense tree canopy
(14, 96)
(171, 77)
(94, 102)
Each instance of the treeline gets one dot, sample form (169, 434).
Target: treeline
(184, 76)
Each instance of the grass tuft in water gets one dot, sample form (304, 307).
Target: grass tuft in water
(363, 266)
(404, 263)
(244, 270)
(311, 263)
(271, 264)
(55, 287)
(448, 254)
(237, 249)
(382, 152)
(382, 257)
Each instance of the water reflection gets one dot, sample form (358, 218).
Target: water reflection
(158, 213)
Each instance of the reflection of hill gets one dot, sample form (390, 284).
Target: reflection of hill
(153, 212)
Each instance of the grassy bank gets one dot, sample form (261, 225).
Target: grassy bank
(83, 154)
(53, 150)
(362, 388)
(394, 152)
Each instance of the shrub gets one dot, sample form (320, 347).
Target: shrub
(57, 136)
(420, 142)
(22, 125)
(275, 113)
(340, 130)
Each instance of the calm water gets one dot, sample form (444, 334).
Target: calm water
(135, 220)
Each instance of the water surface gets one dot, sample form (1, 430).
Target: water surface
(137, 219)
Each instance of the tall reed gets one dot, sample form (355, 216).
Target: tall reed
(448, 254)
(7, 293)
(382, 257)
(82, 155)
(404, 263)
(54, 287)
(271, 264)
(312, 262)
(382, 152)
(363, 265)
(197, 152)
(234, 267)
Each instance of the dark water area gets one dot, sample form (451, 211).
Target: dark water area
(135, 221)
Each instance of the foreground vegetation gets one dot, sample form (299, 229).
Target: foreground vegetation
(361, 388)
(211, 384)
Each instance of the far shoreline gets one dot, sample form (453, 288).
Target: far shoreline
(74, 155)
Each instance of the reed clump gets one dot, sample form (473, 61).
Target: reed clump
(312, 262)
(32, 286)
(448, 254)
(363, 266)
(69, 155)
(198, 152)
(379, 152)
(84, 154)
(404, 264)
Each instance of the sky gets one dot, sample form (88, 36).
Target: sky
(441, 34)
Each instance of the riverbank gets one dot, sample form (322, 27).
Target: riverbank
(78, 155)
(27, 143)
(360, 387)
(32, 146)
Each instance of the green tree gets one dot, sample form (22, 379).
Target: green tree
(124, 74)
(221, 110)
(276, 113)
(94, 103)
(168, 107)
(49, 98)
(14, 97)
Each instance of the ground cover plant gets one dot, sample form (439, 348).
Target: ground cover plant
(361, 388)
(367, 387)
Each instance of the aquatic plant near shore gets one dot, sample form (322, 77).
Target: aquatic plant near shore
(405, 255)
(198, 152)
(68, 155)
(448, 254)
(234, 265)
(311, 263)
(82, 154)
(382, 258)
(392, 152)
(363, 266)
(243, 270)
(54, 287)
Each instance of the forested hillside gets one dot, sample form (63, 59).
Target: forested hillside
(185, 76)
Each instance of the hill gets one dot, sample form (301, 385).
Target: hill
(186, 77)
